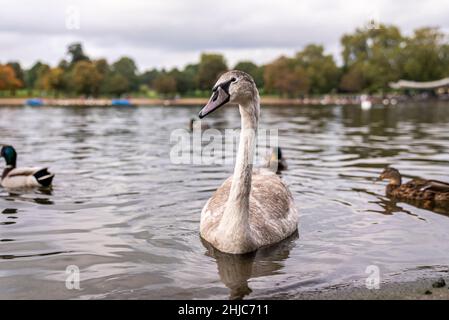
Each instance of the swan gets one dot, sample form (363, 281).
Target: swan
(251, 209)
(365, 102)
(13, 177)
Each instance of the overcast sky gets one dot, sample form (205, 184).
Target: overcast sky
(167, 33)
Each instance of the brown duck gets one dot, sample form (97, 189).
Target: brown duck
(429, 191)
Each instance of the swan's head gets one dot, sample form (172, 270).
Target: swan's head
(232, 87)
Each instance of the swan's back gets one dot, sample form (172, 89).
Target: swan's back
(272, 212)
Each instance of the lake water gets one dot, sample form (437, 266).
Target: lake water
(128, 218)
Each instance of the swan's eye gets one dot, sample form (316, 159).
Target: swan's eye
(233, 79)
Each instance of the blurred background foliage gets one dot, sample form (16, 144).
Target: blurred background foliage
(371, 59)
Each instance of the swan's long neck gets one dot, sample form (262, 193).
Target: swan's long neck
(235, 216)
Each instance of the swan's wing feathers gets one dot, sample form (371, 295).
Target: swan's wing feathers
(214, 208)
(218, 200)
(271, 195)
(273, 213)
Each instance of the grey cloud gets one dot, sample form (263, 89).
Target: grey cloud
(178, 29)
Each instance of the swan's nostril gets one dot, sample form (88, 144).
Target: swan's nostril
(214, 98)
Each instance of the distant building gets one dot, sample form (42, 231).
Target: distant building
(439, 85)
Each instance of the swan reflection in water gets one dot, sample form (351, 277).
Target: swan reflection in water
(235, 271)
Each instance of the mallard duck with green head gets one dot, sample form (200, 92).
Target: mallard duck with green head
(416, 189)
(14, 177)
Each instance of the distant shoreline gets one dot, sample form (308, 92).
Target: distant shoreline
(273, 101)
(173, 102)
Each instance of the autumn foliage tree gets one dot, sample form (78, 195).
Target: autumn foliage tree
(20, 75)
(8, 79)
(85, 78)
(51, 79)
(353, 80)
(286, 77)
(372, 58)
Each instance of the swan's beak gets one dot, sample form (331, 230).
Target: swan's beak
(219, 98)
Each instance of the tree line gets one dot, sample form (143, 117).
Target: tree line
(371, 59)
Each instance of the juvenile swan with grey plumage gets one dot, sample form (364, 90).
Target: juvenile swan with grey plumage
(251, 209)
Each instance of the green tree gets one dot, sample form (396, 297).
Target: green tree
(286, 77)
(127, 68)
(376, 52)
(189, 75)
(32, 74)
(352, 80)
(165, 84)
(76, 52)
(85, 78)
(64, 64)
(252, 69)
(445, 58)
(184, 79)
(102, 66)
(209, 69)
(425, 56)
(116, 84)
(41, 82)
(147, 78)
(321, 69)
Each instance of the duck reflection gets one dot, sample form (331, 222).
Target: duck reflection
(439, 208)
(390, 206)
(235, 271)
(21, 194)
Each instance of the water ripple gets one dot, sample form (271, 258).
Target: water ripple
(129, 218)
